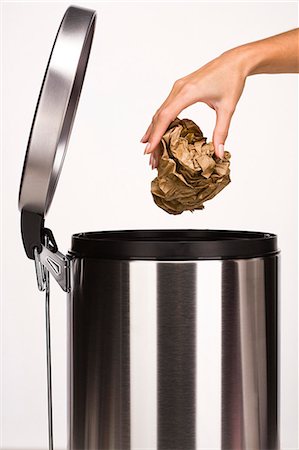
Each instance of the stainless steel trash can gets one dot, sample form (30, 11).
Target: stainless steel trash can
(172, 334)
(173, 340)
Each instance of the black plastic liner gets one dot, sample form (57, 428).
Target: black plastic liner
(173, 244)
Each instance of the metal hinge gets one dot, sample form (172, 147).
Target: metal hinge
(56, 263)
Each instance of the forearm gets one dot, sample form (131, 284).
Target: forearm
(276, 54)
(220, 83)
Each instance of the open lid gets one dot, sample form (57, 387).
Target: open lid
(55, 111)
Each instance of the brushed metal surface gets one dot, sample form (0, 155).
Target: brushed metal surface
(173, 355)
(56, 109)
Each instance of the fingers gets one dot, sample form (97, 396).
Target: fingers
(147, 134)
(157, 156)
(160, 124)
(178, 99)
(153, 127)
(154, 159)
(221, 130)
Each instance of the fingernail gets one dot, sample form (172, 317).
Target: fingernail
(147, 148)
(221, 150)
(141, 140)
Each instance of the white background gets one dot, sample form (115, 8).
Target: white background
(139, 50)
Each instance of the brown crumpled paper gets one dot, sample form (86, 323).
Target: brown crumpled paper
(189, 172)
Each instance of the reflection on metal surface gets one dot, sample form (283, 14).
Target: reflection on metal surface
(57, 264)
(173, 355)
(143, 355)
(208, 352)
(56, 109)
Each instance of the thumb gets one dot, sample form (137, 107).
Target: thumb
(221, 130)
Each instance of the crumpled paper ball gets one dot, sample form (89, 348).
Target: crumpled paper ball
(189, 172)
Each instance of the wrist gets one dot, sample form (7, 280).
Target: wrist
(246, 58)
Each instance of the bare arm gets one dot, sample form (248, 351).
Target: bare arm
(276, 54)
(220, 84)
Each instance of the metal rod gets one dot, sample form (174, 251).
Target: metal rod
(49, 367)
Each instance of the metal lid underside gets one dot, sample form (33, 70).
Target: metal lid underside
(56, 110)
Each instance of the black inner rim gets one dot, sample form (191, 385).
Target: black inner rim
(173, 244)
(172, 235)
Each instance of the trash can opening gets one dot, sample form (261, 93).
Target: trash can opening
(185, 244)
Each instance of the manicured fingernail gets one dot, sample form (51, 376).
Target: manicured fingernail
(221, 150)
(141, 140)
(145, 150)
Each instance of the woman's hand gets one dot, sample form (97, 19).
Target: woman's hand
(219, 84)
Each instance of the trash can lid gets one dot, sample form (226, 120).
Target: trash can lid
(56, 110)
(173, 244)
